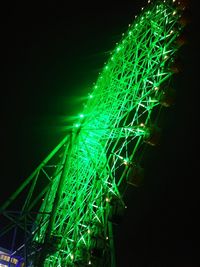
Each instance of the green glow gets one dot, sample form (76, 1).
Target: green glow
(77, 125)
(120, 111)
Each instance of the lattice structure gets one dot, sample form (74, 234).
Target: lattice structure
(89, 170)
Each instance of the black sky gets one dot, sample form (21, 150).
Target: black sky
(51, 55)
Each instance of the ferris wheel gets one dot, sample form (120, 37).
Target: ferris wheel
(89, 171)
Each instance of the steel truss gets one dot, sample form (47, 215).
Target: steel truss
(69, 221)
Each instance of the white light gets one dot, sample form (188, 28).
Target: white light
(106, 237)
(125, 162)
(89, 262)
(81, 116)
(107, 199)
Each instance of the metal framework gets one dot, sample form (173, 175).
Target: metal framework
(69, 221)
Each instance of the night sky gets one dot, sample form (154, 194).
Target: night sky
(51, 54)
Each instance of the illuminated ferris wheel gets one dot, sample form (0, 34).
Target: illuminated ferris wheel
(89, 171)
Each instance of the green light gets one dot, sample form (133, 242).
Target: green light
(110, 137)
